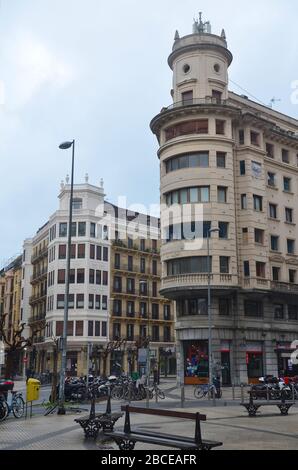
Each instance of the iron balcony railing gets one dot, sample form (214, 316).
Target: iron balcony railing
(197, 101)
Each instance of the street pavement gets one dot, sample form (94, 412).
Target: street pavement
(227, 422)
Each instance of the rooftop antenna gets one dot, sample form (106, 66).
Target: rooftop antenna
(273, 100)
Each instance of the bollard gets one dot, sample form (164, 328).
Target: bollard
(182, 396)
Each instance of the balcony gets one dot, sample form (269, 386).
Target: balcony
(38, 275)
(39, 255)
(198, 282)
(122, 245)
(37, 318)
(284, 287)
(38, 297)
(256, 283)
(209, 100)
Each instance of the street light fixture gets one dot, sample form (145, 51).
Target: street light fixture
(61, 408)
(210, 355)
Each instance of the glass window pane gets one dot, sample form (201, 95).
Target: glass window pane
(194, 195)
(183, 196)
(205, 194)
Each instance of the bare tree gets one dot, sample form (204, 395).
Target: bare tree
(110, 348)
(16, 342)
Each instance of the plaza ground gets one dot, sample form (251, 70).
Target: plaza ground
(227, 422)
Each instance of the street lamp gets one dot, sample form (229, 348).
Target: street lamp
(209, 307)
(61, 409)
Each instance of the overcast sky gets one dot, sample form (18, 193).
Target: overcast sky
(97, 71)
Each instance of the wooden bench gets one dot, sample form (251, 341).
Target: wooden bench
(253, 405)
(127, 439)
(95, 421)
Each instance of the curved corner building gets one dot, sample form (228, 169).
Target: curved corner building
(238, 160)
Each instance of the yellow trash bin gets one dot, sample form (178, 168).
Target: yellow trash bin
(33, 388)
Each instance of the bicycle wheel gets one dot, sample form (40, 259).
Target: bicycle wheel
(51, 409)
(160, 394)
(18, 407)
(4, 410)
(199, 391)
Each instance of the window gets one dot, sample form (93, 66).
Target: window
(253, 308)
(61, 276)
(222, 194)
(59, 328)
(72, 276)
(143, 309)
(130, 309)
(62, 251)
(79, 328)
(154, 289)
(77, 204)
(97, 302)
(130, 243)
(73, 251)
(293, 312)
(92, 229)
(259, 236)
(199, 126)
(271, 179)
(104, 328)
(104, 278)
(246, 269)
(242, 167)
(98, 252)
(130, 263)
(130, 332)
(104, 302)
(223, 229)
(215, 93)
(197, 264)
(80, 276)
(292, 276)
(80, 301)
(260, 269)
(167, 312)
(90, 328)
(285, 156)
(290, 246)
(220, 126)
(155, 311)
(187, 97)
(255, 138)
(154, 267)
(188, 195)
(258, 203)
(142, 244)
(289, 215)
(278, 311)
(105, 253)
(241, 137)
(82, 229)
(221, 159)
(192, 160)
(142, 265)
(224, 262)
(243, 201)
(273, 211)
(275, 273)
(92, 251)
(117, 308)
(60, 301)
(74, 229)
(117, 261)
(193, 306)
(71, 301)
(98, 277)
(143, 288)
(63, 229)
(287, 184)
(97, 328)
(274, 242)
(81, 251)
(270, 150)
(143, 331)
(155, 333)
(224, 307)
(91, 301)
(91, 276)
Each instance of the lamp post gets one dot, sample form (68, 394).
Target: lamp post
(61, 409)
(209, 307)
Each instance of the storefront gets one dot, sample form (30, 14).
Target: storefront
(286, 368)
(72, 364)
(196, 366)
(254, 361)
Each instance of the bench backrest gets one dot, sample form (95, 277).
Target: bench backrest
(160, 412)
(197, 417)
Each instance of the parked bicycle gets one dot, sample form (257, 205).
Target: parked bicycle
(16, 406)
(201, 391)
(156, 392)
